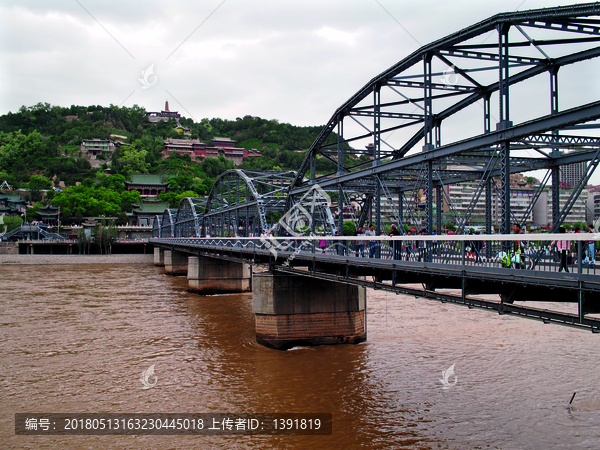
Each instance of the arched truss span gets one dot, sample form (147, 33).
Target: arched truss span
(246, 202)
(167, 223)
(463, 82)
(156, 228)
(188, 222)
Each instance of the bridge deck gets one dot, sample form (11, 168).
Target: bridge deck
(438, 268)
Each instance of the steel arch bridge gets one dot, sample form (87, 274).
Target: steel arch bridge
(453, 82)
(246, 202)
(241, 202)
(512, 60)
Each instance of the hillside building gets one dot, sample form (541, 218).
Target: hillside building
(99, 151)
(199, 150)
(164, 115)
(148, 185)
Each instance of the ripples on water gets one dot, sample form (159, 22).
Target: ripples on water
(76, 339)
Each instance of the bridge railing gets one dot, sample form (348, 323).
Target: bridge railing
(540, 252)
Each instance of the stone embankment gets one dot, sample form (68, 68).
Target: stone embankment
(76, 259)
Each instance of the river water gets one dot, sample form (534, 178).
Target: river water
(76, 338)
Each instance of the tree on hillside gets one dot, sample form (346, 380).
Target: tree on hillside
(131, 159)
(81, 201)
(213, 167)
(38, 183)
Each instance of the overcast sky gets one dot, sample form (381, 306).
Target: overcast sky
(295, 61)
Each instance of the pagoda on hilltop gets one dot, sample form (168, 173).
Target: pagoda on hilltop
(164, 115)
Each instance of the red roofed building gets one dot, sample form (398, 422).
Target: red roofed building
(198, 150)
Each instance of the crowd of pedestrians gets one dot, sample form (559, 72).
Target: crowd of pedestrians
(514, 254)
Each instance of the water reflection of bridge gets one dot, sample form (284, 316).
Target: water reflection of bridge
(450, 83)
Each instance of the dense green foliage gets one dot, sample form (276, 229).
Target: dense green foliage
(44, 140)
(9, 223)
(40, 147)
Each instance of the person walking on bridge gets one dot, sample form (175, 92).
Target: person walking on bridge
(563, 247)
(396, 245)
(322, 243)
(590, 256)
(518, 248)
(360, 244)
(372, 244)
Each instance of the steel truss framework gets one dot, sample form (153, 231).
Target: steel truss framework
(439, 83)
(455, 77)
(156, 226)
(241, 202)
(167, 223)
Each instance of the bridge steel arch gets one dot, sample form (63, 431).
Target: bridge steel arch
(454, 82)
(156, 228)
(246, 202)
(188, 221)
(167, 223)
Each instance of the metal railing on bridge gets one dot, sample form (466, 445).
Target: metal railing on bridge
(571, 253)
(484, 271)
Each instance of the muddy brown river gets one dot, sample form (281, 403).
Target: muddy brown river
(75, 338)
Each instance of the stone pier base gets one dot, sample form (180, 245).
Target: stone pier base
(159, 257)
(175, 263)
(295, 310)
(209, 276)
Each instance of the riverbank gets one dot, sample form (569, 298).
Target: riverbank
(75, 259)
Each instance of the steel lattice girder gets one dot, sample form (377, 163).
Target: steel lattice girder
(156, 226)
(246, 193)
(167, 223)
(576, 115)
(188, 221)
(561, 19)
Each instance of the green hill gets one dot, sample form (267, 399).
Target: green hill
(44, 140)
(40, 148)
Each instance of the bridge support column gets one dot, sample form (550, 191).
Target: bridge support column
(208, 276)
(159, 257)
(294, 310)
(175, 263)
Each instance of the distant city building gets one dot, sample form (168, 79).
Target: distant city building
(572, 173)
(521, 196)
(461, 195)
(593, 204)
(165, 115)
(542, 212)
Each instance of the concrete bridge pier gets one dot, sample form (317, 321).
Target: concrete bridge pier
(294, 310)
(208, 276)
(176, 263)
(159, 257)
